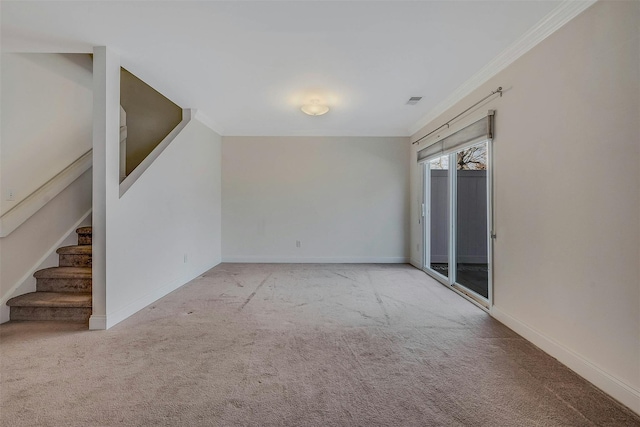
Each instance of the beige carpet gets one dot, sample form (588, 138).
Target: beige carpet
(295, 345)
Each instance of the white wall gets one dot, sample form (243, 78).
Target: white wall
(165, 230)
(344, 199)
(567, 204)
(45, 124)
(46, 118)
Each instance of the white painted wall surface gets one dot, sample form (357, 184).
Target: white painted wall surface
(567, 204)
(344, 198)
(46, 118)
(171, 212)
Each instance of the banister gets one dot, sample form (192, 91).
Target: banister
(31, 204)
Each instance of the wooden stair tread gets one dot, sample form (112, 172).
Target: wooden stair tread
(84, 230)
(75, 250)
(64, 273)
(51, 299)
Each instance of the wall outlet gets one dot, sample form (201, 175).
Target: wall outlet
(298, 243)
(418, 247)
(186, 258)
(11, 195)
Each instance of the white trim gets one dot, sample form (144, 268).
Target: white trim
(97, 322)
(615, 387)
(314, 260)
(187, 116)
(415, 263)
(425, 215)
(35, 267)
(211, 124)
(565, 12)
(31, 204)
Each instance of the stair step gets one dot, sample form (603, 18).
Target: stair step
(70, 307)
(52, 299)
(63, 279)
(75, 256)
(75, 250)
(64, 273)
(84, 235)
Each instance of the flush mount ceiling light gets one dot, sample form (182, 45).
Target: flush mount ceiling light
(314, 108)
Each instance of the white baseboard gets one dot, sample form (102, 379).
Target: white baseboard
(97, 322)
(417, 264)
(115, 317)
(616, 388)
(314, 260)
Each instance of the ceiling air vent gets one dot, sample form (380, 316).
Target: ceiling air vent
(414, 100)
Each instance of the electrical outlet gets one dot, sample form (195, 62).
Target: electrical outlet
(185, 258)
(298, 243)
(11, 195)
(418, 247)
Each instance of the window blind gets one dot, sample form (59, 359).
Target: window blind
(477, 131)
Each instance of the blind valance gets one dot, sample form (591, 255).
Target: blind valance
(477, 131)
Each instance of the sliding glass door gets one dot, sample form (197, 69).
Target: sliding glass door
(457, 218)
(471, 230)
(438, 170)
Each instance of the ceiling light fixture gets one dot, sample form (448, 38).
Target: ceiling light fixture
(314, 108)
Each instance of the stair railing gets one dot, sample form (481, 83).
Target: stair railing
(31, 204)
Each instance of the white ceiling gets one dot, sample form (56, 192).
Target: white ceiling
(249, 66)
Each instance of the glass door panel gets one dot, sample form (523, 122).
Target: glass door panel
(438, 181)
(471, 231)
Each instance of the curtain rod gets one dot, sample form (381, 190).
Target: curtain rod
(499, 90)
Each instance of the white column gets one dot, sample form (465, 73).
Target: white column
(106, 144)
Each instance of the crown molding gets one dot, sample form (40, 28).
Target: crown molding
(565, 12)
(211, 124)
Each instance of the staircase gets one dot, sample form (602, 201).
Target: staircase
(64, 292)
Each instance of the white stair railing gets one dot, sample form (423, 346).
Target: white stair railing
(31, 204)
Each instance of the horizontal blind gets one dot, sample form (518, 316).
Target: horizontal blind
(477, 131)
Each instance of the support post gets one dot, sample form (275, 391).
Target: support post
(106, 144)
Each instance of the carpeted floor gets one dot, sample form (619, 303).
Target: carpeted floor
(295, 345)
